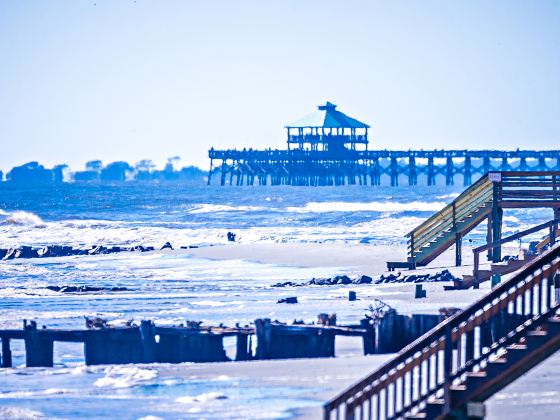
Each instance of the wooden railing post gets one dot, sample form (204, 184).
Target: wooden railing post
(350, 412)
(497, 213)
(476, 267)
(489, 236)
(458, 249)
(447, 366)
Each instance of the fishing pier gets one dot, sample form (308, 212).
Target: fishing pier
(327, 147)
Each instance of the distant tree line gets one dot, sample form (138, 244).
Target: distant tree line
(95, 171)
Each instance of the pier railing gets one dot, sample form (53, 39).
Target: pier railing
(427, 372)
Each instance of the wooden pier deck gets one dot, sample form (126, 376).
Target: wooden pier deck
(369, 167)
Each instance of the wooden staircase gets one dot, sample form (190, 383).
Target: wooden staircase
(485, 199)
(503, 268)
(440, 231)
(510, 265)
(468, 357)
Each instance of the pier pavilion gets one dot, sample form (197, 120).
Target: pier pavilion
(327, 129)
(328, 147)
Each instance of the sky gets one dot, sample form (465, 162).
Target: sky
(136, 79)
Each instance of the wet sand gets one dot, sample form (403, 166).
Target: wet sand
(321, 379)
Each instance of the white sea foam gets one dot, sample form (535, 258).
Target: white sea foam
(125, 377)
(373, 206)
(201, 398)
(450, 196)
(19, 413)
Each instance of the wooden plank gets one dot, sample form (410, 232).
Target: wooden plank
(519, 204)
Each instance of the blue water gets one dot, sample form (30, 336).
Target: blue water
(174, 287)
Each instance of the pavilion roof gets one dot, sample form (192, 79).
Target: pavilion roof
(327, 116)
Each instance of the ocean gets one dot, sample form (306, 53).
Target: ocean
(171, 287)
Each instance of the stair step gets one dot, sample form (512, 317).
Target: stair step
(516, 352)
(537, 333)
(495, 366)
(553, 324)
(479, 374)
(434, 408)
(518, 347)
(474, 379)
(416, 416)
(536, 338)
(458, 388)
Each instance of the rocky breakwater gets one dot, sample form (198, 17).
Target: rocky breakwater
(85, 289)
(53, 251)
(444, 275)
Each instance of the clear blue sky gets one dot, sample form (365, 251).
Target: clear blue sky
(127, 80)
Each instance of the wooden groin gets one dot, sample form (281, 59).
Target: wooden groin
(150, 343)
(146, 343)
(280, 341)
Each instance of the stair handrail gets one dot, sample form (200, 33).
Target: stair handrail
(443, 337)
(480, 191)
(475, 186)
(454, 216)
(477, 251)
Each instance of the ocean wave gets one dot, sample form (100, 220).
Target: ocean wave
(450, 196)
(373, 206)
(214, 208)
(129, 234)
(21, 218)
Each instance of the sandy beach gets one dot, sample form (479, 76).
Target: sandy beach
(321, 379)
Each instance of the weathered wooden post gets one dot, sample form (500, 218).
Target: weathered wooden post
(38, 351)
(449, 170)
(394, 172)
(431, 171)
(6, 353)
(412, 177)
(242, 350)
(210, 171)
(419, 292)
(369, 337)
(486, 163)
(467, 171)
(263, 333)
(148, 340)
